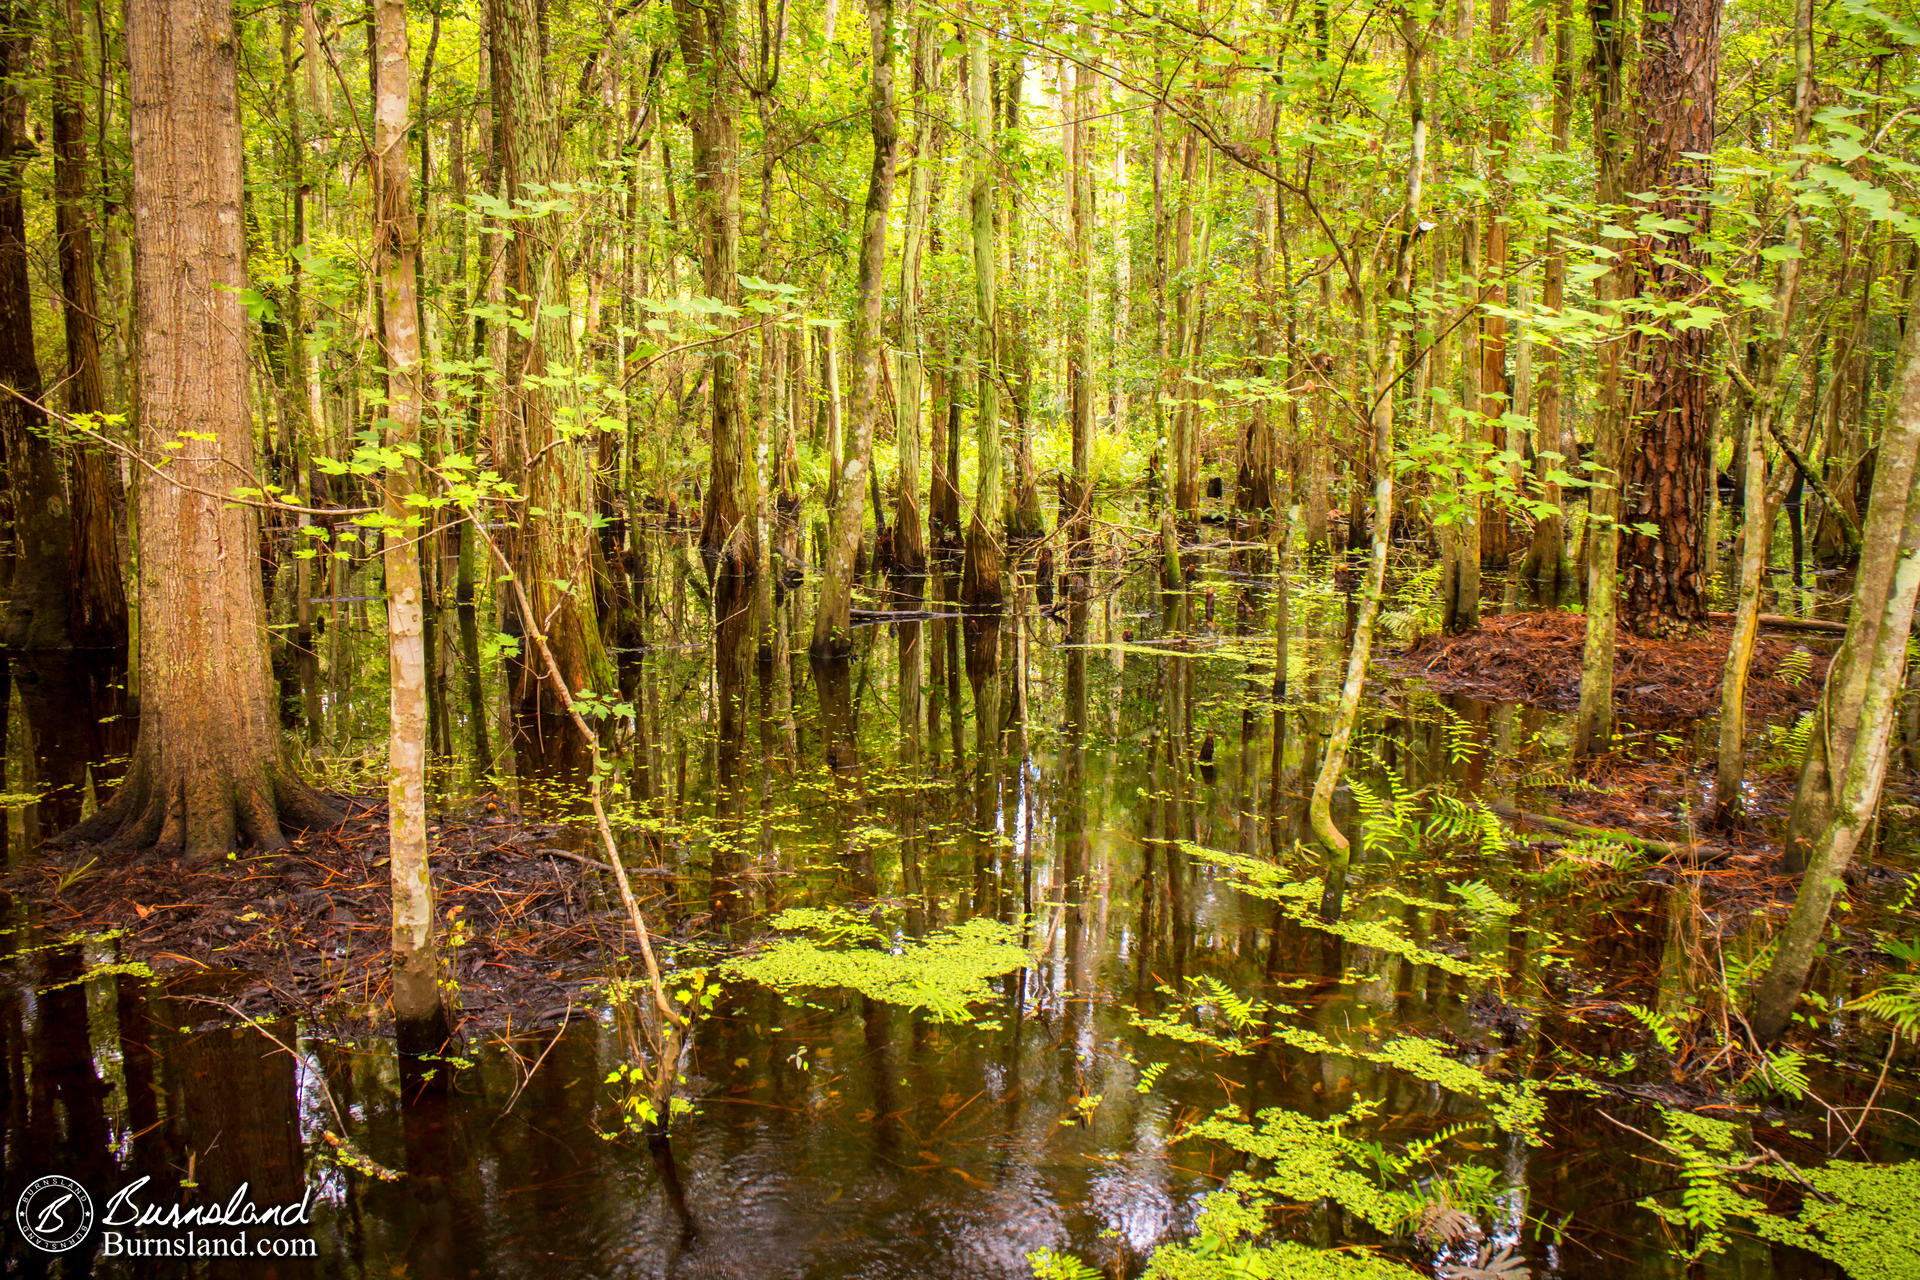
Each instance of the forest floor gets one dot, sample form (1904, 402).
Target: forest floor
(529, 924)
(1535, 658)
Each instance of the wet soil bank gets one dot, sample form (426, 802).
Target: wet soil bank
(307, 929)
(1535, 658)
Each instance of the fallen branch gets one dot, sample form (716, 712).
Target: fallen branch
(1661, 848)
(1781, 622)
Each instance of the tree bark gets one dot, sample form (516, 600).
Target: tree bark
(1669, 472)
(209, 767)
(1546, 563)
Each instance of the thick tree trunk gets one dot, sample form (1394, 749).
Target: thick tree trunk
(832, 627)
(1669, 472)
(209, 768)
(546, 445)
(419, 1013)
(708, 41)
(98, 611)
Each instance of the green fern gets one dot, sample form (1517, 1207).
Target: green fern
(1663, 1028)
(1780, 1073)
(1795, 667)
(1480, 897)
(1897, 1003)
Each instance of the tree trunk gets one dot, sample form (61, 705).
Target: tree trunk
(1669, 472)
(1546, 563)
(1080, 306)
(980, 573)
(39, 602)
(832, 627)
(1385, 351)
(1593, 723)
(909, 539)
(209, 767)
(419, 1014)
(546, 445)
(1862, 693)
(708, 42)
(98, 613)
(1763, 490)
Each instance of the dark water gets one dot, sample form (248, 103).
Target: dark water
(1061, 770)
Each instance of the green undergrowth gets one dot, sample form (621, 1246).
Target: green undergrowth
(942, 974)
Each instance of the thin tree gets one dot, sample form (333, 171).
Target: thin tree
(832, 626)
(980, 572)
(1862, 691)
(709, 44)
(210, 768)
(39, 596)
(1385, 357)
(1764, 489)
(97, 613)
(419, 1013)
(909, 538)
(1593, 722)
(544, 448)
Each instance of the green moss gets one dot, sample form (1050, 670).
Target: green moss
(942, 975)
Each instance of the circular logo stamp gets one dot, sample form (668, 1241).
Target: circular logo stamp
(54, 1213)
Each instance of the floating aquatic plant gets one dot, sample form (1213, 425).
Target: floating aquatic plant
(942, 974)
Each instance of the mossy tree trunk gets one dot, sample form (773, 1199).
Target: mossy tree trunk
(1862, 693)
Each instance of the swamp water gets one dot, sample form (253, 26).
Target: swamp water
(1112, 782)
